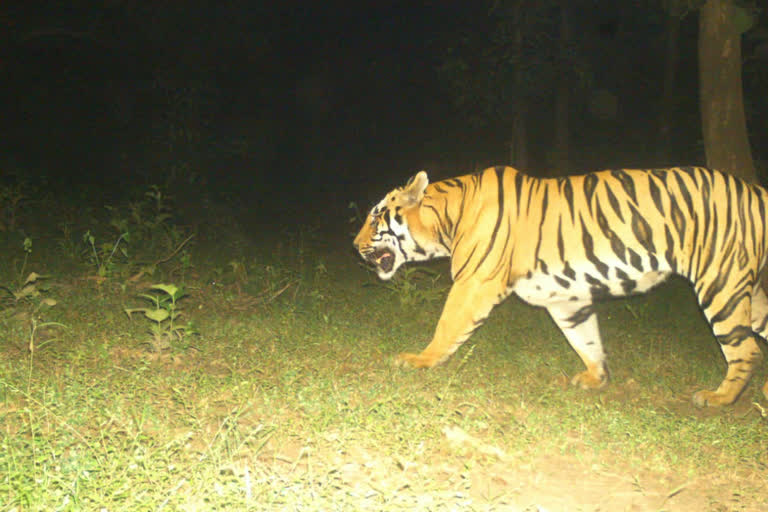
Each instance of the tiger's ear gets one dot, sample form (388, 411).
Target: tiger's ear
(416, 186)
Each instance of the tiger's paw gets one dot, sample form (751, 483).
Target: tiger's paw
(588, 380)
(706, 398)
(406, 360)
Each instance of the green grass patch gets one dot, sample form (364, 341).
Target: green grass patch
(285, 396)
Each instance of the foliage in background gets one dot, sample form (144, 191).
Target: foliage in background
(149, 223)
(12, 197)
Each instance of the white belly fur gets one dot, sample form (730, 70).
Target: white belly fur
(543, 289)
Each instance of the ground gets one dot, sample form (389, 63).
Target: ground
(282, 395)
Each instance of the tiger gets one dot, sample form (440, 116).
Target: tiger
(564, 243)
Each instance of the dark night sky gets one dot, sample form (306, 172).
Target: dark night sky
(280, 101)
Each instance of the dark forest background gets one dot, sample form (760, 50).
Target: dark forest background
(257, 103)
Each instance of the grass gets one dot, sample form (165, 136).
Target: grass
(287, 398)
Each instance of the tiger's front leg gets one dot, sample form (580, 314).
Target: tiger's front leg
(578, 322)
(467, 307)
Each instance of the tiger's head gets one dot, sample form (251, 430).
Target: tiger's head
(393, 232)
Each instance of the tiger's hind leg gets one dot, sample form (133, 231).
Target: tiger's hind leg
(738, 342)
(760, 319)
(578, 322)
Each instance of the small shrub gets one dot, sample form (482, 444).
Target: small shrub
(102, 256)
(165, 329)
(416, 285)
(29, 289)
(26, 288)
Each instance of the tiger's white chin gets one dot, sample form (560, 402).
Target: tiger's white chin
(388, 269)
(385, 275)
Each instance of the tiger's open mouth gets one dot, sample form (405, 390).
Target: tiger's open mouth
(383, 258)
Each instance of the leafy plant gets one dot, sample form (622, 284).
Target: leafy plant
(28, 289)
(103, 255)
(416, 285)
(36, 324)
(164, 316)
(150, 217)
(25, 288)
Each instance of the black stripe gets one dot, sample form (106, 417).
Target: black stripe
(500, 202)
(740, 206)
(616, 244)
(627, 183)
(627, 284)
(589, 250)
(750, 192)
(581, 316)
(661, 174)
(567, 190)
(597, 288)
(614, 203)
(678, 220)
(669, 254)
(540, 231)
(707, 295)
(642, 230)
(728, 211)
(685, 192)
(712, 239)
(464, 265)
(735, 337)
(590, 183)
(694, 172)
(518, 190)
(707, 224)
(531, 185)
(656, 195)
(761, 209)
(635, 260)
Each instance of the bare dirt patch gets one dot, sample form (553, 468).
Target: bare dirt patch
(460, 478)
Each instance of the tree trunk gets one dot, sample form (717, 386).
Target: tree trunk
(562, 99)
(672, 33)
(722, 105)
(518, 147)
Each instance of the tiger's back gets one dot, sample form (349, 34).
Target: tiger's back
(618, 232)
